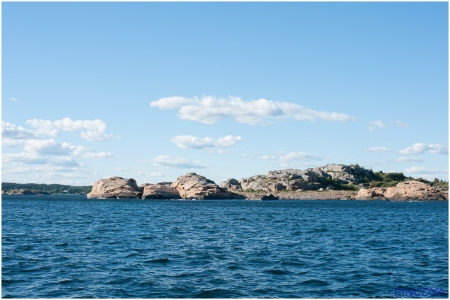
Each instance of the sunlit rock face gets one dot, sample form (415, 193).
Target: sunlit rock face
(408, 190)
(161, 190)
(115, 187)
(193, 186)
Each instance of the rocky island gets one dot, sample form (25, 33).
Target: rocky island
(337, 181)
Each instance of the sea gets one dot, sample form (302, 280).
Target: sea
(67, 246)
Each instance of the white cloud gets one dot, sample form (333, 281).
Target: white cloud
(297, 156)
(210, 110)
(373, 125)
(95, 136)
(48, 172)
(48, 159)
(192, 142)
(207, 143)
(51, 147)
(377, 149)
(420, 148)
(438, 149)
(13, 131)
(121, 169)
(290, 159)
(43, 127)
(217, 151)
(268, 157)
(145, 160)
(98, 155)
(93, 130)
(228, 141)
(14, 99)
(27, 158)
(408, 160)
(33, 159)
(166, 160)
(423, 170)
(400, 124)
(8, 142)
(150, 174)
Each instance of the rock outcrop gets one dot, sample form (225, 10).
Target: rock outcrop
(309, 179)
(366, 194)
(115, 187)
(331, 182)
(408, 190)
(193, 186)
(161, 190)
(231, 185)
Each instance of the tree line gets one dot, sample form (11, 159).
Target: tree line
(47, 188)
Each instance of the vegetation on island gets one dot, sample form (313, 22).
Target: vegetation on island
(381, 179)
(38, 188)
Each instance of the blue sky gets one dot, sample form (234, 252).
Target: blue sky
(152, 91)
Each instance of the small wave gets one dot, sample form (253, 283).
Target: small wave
(277, 271)
(159, 260)
(119, 280)
(65, 281)
(11, 281)
(293, 263)
(214, 293)
(315, 282)
(38, 269)
(26, 247)
(132, 254)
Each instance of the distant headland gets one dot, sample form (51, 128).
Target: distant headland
(335, 181)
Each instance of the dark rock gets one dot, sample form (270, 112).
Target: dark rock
(269, 197)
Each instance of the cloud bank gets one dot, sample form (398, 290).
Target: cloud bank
(51, 153)
(92, 130)
(13, 135)
(423, 170)
(207, 143)
(290, 159)
(177, 162)
(373, 125)
(421, 148)
(377, 149)
(210, 110)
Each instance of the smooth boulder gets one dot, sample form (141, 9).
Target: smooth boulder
(231, 184)
(193, 186)
(115, 187)
(161, 190)
(408, 190)
(414, 190)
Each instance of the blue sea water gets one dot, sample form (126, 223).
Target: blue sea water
(68, 246)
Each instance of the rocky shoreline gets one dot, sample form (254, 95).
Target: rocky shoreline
(22, 192)
(333, 182)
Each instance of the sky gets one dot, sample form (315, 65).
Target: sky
(152, 91)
